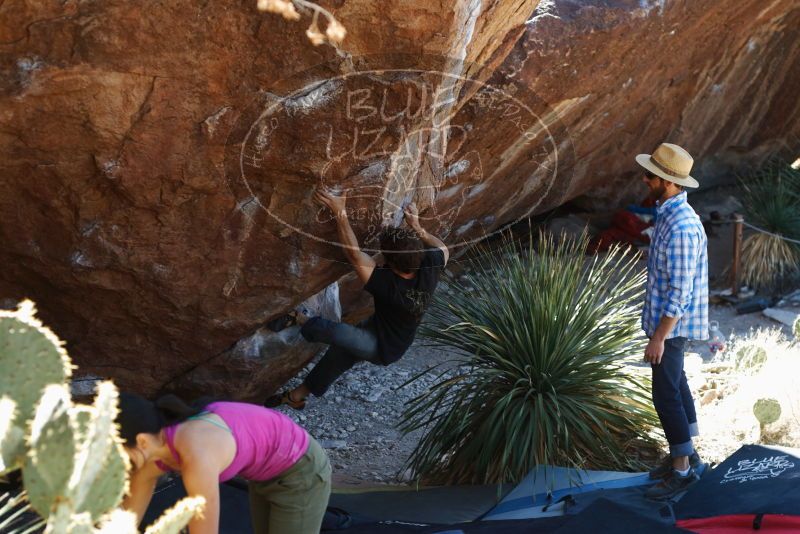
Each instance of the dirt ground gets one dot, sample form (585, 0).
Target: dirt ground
(356, 421)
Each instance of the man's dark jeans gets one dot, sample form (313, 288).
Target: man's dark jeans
(348, 345)
(673, 399)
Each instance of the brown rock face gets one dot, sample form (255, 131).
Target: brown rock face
(126, 213)
(158, 159)
(717, 77)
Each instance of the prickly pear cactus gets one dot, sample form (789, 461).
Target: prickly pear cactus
(31, 357)
(767, 411)
(99, 480)
(75, 455)
(110, 484)
(10, 435)
(73, 464)
(51, 451)
(118, 522)
(751, 357)
(81, 524)
(174, 519)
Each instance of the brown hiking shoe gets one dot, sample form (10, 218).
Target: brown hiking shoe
(284, 398)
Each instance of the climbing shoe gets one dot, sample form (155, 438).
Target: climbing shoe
(286, 399)
(285, 321)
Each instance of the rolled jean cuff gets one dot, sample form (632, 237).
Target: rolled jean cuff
(694, 430)
(681, 449)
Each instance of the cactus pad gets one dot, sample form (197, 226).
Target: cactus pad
(751, 356)
(99, 479)
(81, 524)
(11, 437)
(51, 455)
(175, 519)
(767, 411)
(111, 484)
(31, 357)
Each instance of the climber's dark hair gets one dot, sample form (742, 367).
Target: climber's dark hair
(401, 249)
(138, 415)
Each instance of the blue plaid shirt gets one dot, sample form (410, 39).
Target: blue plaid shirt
(677, 271)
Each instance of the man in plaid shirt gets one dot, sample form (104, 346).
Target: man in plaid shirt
(675, 310)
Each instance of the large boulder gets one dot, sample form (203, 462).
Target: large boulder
(719, 77)
(125, 213)
(158, 159)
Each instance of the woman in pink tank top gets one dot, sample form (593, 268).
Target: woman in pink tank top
(287, 470)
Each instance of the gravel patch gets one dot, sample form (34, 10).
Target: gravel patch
(356, 421)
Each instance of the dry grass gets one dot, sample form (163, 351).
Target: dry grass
(767, 258)
(771, 199)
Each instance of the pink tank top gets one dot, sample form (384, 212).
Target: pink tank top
(267, 442)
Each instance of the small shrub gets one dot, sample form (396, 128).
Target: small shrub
(771, 201)
(750, 356)
(540, 341)
(749, 353)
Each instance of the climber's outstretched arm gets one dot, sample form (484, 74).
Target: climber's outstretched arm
(411, 215)
(361, 261)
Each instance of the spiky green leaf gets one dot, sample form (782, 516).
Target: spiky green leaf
(539, 335)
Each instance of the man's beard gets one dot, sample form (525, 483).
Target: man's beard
(659, 190)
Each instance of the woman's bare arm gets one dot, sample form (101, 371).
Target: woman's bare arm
(205, 451)
(360, 260)
(200, 477)
(142, 484)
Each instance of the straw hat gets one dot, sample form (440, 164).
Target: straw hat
(669, 162)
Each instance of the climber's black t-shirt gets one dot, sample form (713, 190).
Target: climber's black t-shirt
(400, 303)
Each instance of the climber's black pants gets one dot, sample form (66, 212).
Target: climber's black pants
(348, 345)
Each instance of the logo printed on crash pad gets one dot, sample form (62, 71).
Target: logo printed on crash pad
(755, 469)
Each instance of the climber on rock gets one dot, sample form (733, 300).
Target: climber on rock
(401, 289)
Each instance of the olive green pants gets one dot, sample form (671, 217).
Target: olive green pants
(294, 502)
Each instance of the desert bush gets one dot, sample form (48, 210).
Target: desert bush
(749, 353)
(771, 199)
(539, 340)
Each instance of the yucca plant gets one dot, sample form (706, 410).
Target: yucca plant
(539, 342)
(17, 516)
(772, 202)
